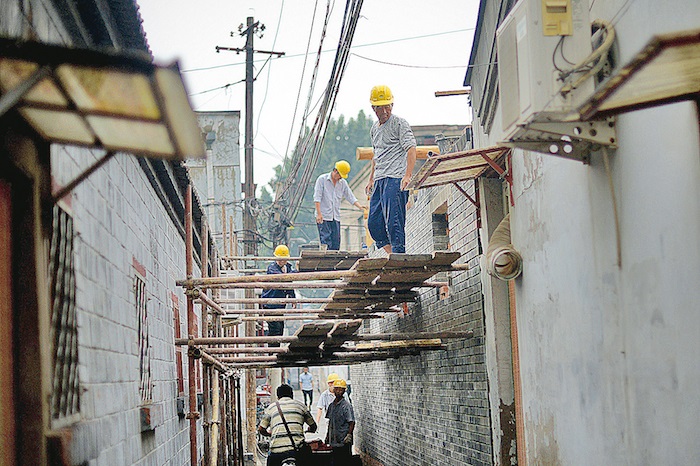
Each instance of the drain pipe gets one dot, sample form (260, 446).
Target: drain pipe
(502, 260)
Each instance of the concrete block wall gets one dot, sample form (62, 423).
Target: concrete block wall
(119, 219)
(431, 409)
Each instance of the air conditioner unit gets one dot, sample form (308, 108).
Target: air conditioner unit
(528, 78)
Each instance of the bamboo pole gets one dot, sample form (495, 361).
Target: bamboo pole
(275, 300)
(273, 311)
(247, 350)
(285, 318)
(361, 337)
(257, 258)
(193, 414)
(273, 278)
(207, 372)
(211, 360)
(339, 286)
(231, 235)
(204, 299)
(223, 228)
(250, 359)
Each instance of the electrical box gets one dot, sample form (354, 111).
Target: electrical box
(530, 60)
(557, 19)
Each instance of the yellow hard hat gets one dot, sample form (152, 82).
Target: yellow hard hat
(343, 168)
(332, 377)
(340, 383)
(281, 251)
(381, 95)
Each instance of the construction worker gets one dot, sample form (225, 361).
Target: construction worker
(326, 397)
(329, 191)
(392, 167)
(283, 444)
(280, 265)
(341, 424)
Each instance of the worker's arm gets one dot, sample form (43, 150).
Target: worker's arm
(319, 217)
(410, 163)
(312, 427)
(351, 427)
(370, 183)
(318, 197)
(263, 431)
(318, 415)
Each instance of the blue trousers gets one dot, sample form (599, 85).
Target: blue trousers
(329, 234)
(387, 214)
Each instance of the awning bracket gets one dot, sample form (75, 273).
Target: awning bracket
(80, 178)
(12, 97)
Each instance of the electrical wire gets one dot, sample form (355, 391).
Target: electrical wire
(407, 66)
(372, 44)
(267, 82)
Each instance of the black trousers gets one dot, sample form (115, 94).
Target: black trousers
(275, 459)
(342, 456)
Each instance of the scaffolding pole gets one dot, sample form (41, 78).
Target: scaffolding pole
(193, 415)
(207, 370)
(292, 338)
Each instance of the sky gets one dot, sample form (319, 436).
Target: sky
(413, 46)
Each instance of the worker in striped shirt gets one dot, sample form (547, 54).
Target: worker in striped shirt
(295, 414)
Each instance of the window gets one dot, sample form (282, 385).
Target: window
(145, 384)
(65, 390)
(441, 242)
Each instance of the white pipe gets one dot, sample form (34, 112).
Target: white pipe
(502, 260)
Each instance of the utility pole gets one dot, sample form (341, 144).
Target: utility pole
(249, 226)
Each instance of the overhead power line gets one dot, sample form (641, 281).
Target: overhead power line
(206, 68)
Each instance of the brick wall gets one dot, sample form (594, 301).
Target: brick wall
(431, 409)
(121, 226)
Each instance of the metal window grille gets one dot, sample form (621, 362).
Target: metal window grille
(65, 392)
(145, 384)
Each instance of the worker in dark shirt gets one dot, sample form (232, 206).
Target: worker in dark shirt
(341, 424)
(280, 265)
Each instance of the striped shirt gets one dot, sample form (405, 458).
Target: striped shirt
(391, 141)
(295, 413)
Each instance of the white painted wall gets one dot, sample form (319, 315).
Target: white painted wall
(607, 354)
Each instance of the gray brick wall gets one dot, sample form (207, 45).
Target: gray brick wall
(118, 218)
(431, 409)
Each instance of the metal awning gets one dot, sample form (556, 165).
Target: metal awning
(116, 102)
(666, 70)
(459, 166)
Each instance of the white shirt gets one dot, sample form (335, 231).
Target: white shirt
(330, 196)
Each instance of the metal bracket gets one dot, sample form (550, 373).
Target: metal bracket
(14, 95)
(564, 135)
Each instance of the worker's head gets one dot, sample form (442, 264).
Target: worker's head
(282, 254)
(285, 391)
(331, 378)
(305, 369)
(382, 101)
(339, 387)
(341, 170)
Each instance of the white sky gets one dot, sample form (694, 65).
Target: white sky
(433, 38)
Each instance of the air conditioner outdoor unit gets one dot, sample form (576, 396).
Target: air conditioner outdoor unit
(530, 66)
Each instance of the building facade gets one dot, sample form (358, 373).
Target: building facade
(91, 308)
(603, 318)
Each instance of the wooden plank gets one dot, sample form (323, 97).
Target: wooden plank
(407, 260)
(370, 264)
(445, 258)
(341, 330)
(311, 335)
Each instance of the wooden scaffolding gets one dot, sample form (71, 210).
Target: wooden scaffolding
(362, 288)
